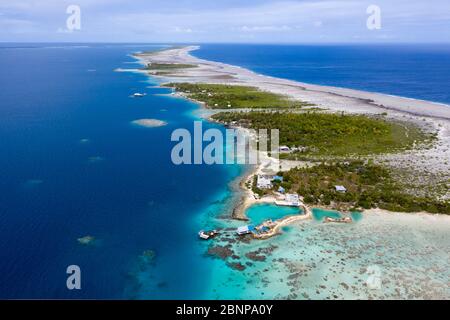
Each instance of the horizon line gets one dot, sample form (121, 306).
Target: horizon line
(227, 43)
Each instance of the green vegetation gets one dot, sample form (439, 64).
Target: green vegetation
(368, 186)
(218, 96)
(330, 134)
(169, 66)
(162, 73)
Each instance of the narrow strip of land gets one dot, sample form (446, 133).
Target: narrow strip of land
(416, 132)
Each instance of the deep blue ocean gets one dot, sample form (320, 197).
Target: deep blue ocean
(120, 186)
(413, 71)
(72, 164)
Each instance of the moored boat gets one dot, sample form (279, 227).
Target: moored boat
(206, 235)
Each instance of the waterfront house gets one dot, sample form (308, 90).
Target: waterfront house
(245, 230)
(290, 200)
(264, 182)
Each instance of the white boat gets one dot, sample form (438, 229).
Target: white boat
(205, 235)
(139, 95)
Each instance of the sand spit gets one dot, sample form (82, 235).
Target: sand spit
(328, 97)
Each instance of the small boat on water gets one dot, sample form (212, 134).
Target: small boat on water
(206, 235)
(339, 220)
(139, 95)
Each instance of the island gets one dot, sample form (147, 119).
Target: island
(361, 186)
(342, 149)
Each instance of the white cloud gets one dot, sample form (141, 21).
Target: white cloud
(265, 28)
(16, 26)
(230, 20)
(318, 23)
(182, 30)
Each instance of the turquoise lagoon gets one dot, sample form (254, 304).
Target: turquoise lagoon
(383, 256)
(260, 212)
(320, 214)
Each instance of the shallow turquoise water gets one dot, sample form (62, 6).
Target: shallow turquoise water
(356, 216)
(261, 212)
(320, 214)
(384, 256)
(258, 213)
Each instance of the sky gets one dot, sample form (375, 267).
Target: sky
(226, 21)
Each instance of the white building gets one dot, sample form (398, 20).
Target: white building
(340, 189)
(264, 182)
(292, 199)
(243, 230)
